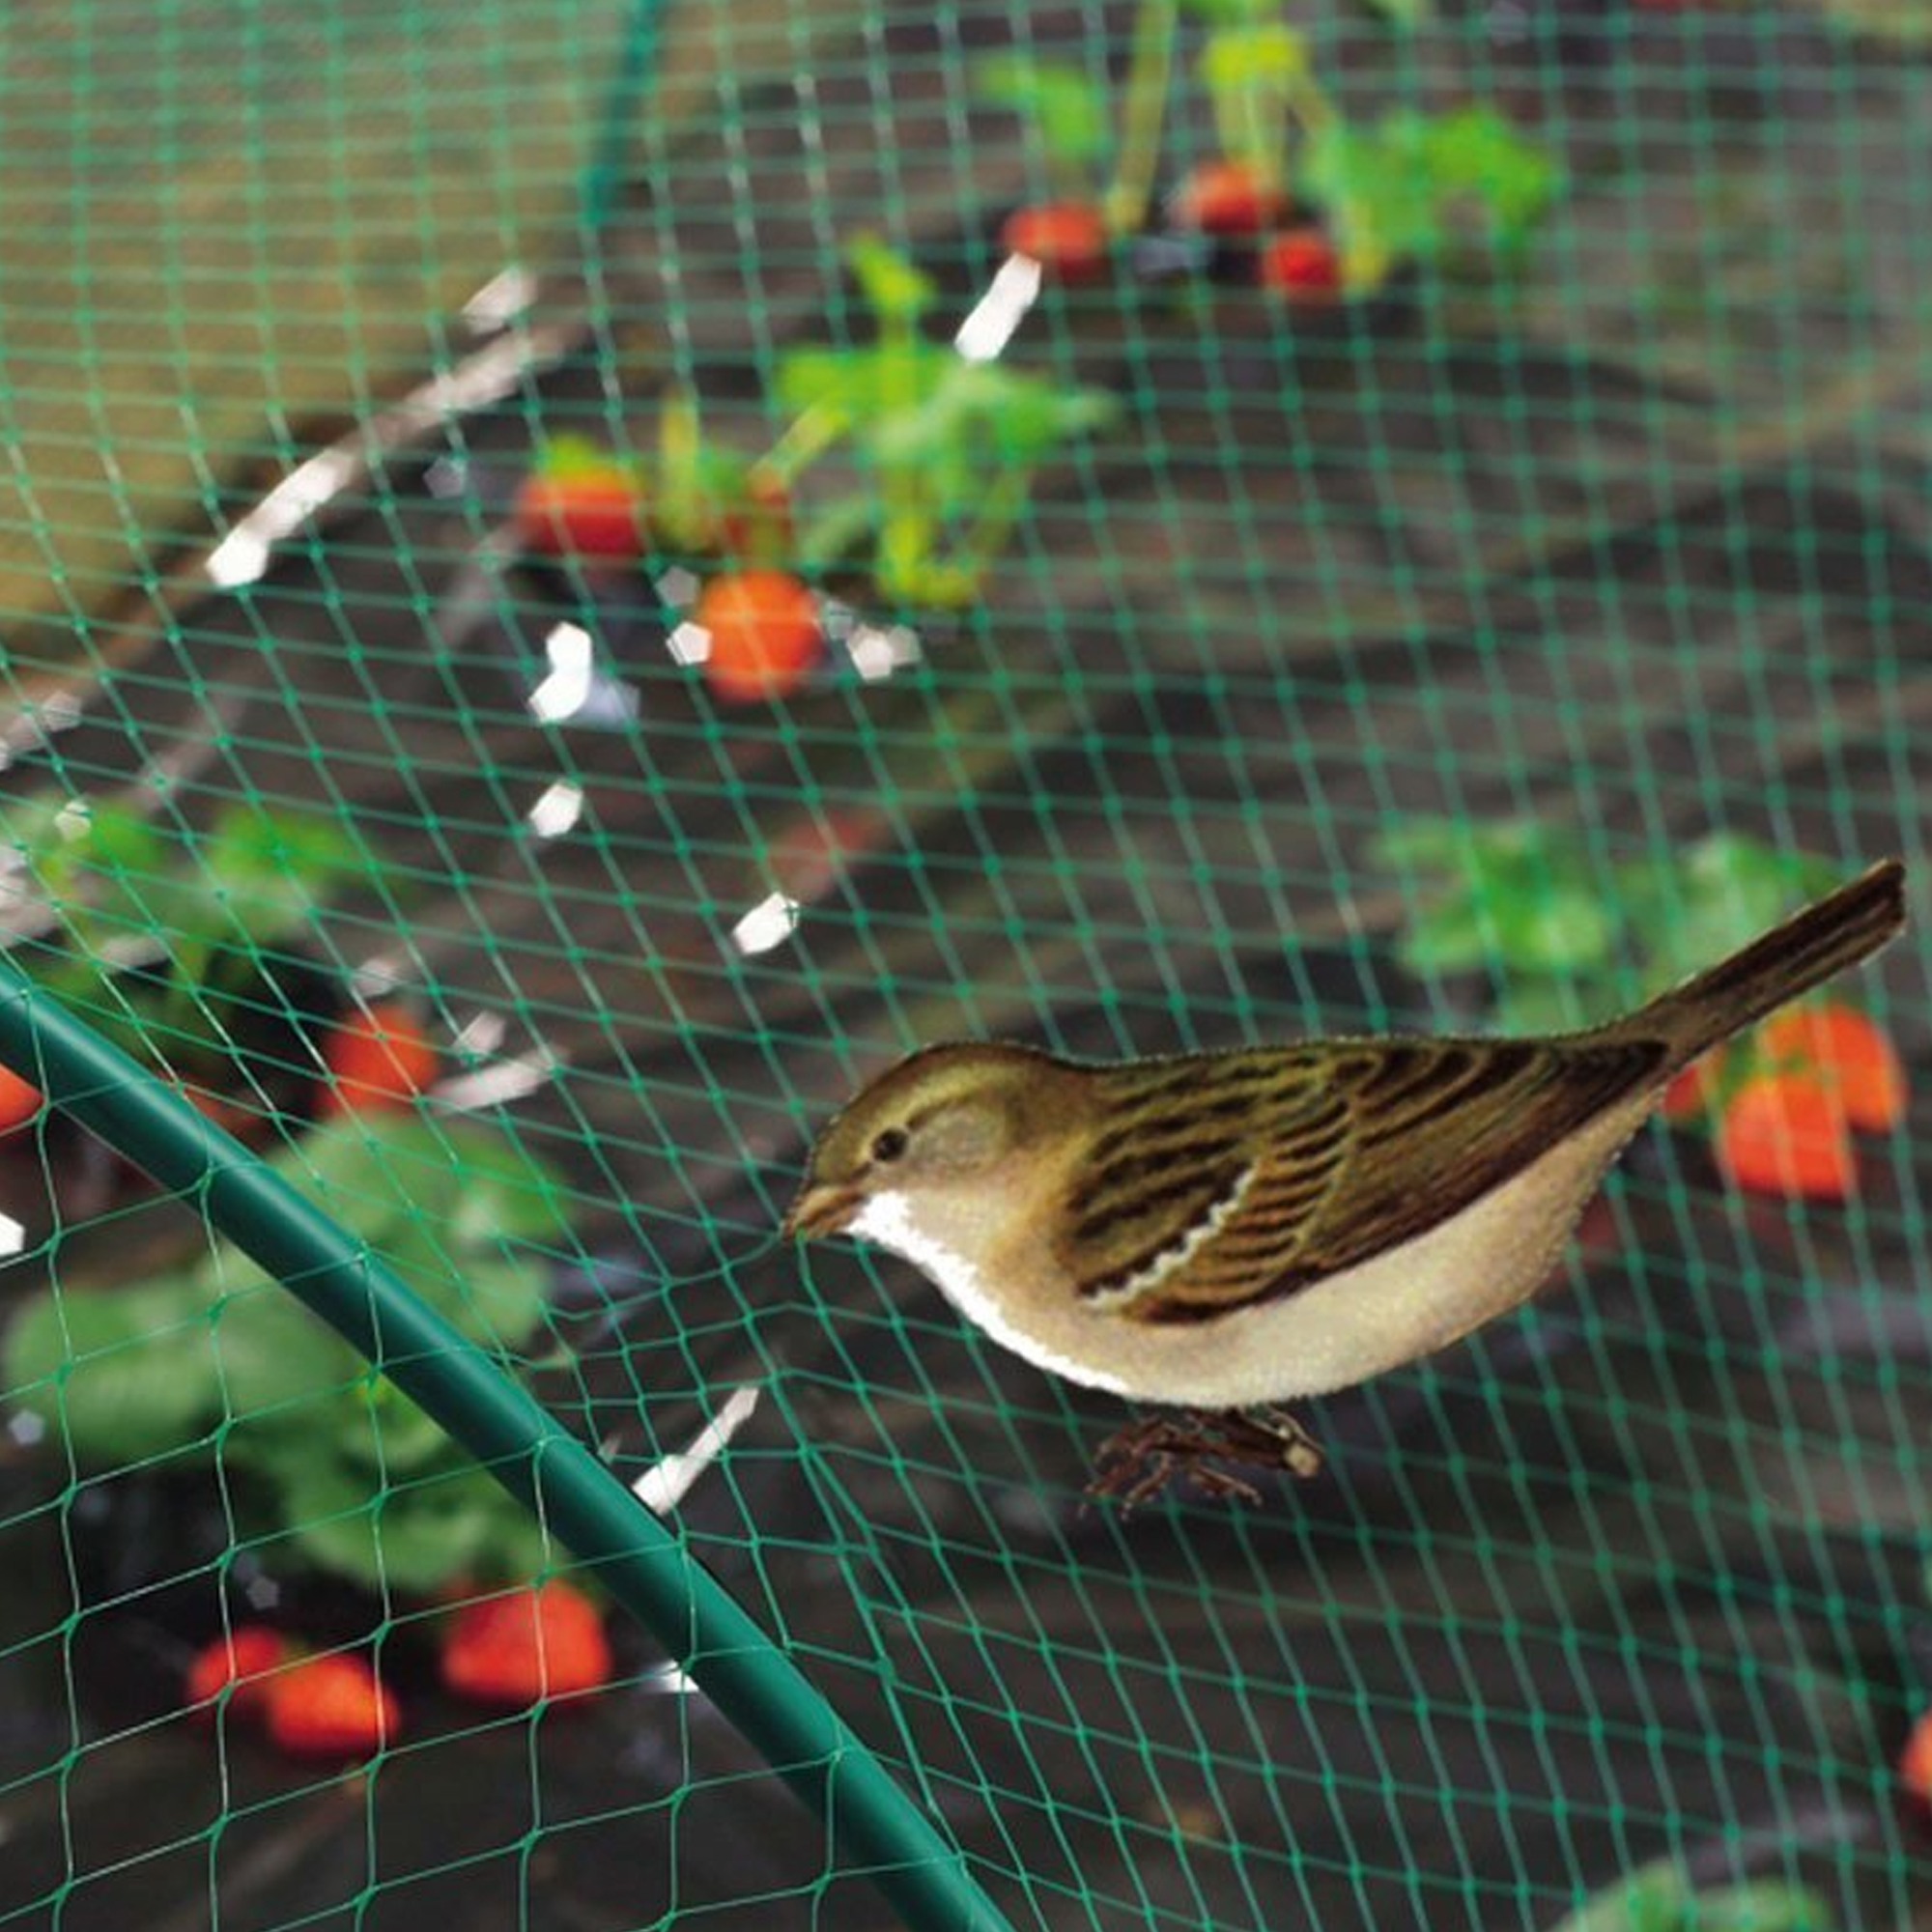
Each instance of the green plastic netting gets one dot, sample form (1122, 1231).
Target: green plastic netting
(1503, 578)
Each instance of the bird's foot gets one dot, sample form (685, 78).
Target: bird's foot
(1140, 1460)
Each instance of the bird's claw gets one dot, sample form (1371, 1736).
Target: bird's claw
(1139, 1462)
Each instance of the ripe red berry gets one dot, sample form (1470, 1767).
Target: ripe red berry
(1302, 264)
(1068, 239)
(331, 1707)
(583, 507)
(379, 1058)
(1690, 1093)
(20, 1102)
(242, 1659)
(1785, 1133)
(513, 1649)
(1228, 198)
(1915, 1763)
(1850, 1051)
(764, 627)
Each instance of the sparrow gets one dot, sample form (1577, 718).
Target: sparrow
(1220, 1234)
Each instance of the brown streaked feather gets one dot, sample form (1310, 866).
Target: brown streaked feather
(1354, 1149)
(1343, 1149)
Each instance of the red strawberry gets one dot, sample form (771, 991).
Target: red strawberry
(331, 1707)
(578, 501)
(1785, 1133)
(1068, 239)
(511, 1650)
(242, 1659)
(1303, 265)
(1850, 1051)
(1690, 1093)
(763, 626)
(1915, 1763)
(1228, 198)
(376, 1059)
(20, 1102)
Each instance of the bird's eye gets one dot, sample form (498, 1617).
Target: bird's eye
(890, 1144)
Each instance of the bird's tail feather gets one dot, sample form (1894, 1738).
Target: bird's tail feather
(1837, 931)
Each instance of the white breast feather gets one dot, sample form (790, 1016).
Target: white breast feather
(885, 1220)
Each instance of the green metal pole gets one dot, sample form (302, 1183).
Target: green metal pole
(730, 1658)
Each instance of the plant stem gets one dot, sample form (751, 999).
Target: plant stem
(806, 439)
(1248, 124)
(999, 511)
(1309, 104)
(1125, 206)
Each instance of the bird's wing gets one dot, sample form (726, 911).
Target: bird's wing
(1229, 1180)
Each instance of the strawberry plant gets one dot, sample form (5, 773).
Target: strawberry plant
(1661, 1898)
(1069, 113)
(1411, 188)
(580, 502)
(1515, 900)
(1259, 76)
(181, 945)
(711, 500)
(1067, 120)
(333, 1470)
(946, 447)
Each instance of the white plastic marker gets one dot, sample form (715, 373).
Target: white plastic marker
(667, 1482)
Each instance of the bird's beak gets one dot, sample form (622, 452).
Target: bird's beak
(823, 1208)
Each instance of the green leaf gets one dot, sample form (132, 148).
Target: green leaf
(1268, 52)
(1069, 113)
(837, 528)
(97, 865)
(1478, 158)
(415, 1537)
(120, 1376)
(1420, 845)
(1380, 200)
(1726, 891)
(567, 455)
(1392, 190)
(1655, 1898)
(270, 873)
(274, 1355)
(1452, 936)
(978, 419)
(1532, 1006)
(894, 290)
(1405, 12)
(1560, 931)
(859, 383)
(1767, 1907)
(1232, 13)
(1900, 24)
